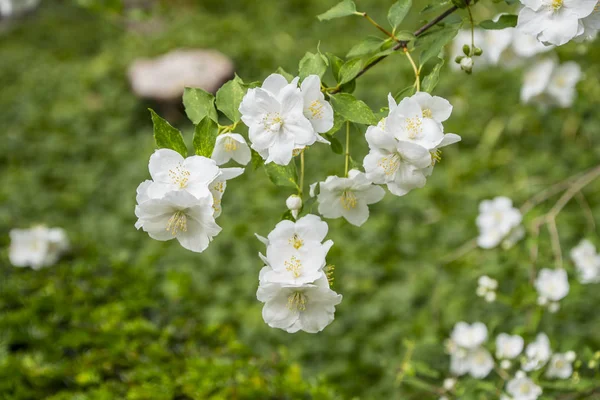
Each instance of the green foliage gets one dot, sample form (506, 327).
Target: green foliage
(283, 175)
(505, 21)
(432, 43)
(353, 110)
(349, 70)
(371, 44)
(205, 136)
(430, 81)
(198, 104)
(398, 12)
(167, 137)
(342, 9)
(312, 64)
(229, 97)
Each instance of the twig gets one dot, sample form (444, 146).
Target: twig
(347, 149)
(555, 240)
(589, 215)
(403, 43)
(459, 252)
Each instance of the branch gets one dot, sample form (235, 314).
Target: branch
(402, 44)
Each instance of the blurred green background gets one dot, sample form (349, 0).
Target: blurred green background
(124, 316)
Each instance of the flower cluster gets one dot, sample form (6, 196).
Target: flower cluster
(587, 262)
(552, 286)
(404, 146)
(183, 198)
(498, 222)
(293, 284)
(486, 288)
(468, 355)
(283, 118)
(549, 84)
(37, 247)
(559, 21)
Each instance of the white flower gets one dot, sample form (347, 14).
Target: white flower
(547, 83)
(508, 346)
(219, 184)
(505, 364)
(309, 307)
(523, 388)
(294, 204)
(560, 366)
(536, 79)
(496, 42)
(487, 288)
(449, 383)
(587, 262)
(171, 172)
(412, 123)
(275, 117)
(481, 363)
(554, 21)
(563, 81)
(537, 353)
(231, 146)
(37, 247)
(496, 220)
(591, 25)
(527, 46)
(466, 64)
(348, 197)
(306, 233)
(316, 109)
(551, 284)
(469, 336)
(179, 215)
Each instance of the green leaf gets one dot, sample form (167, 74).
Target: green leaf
(338, 122)
(198, 104)
(352, 109)
(430, 81)
(342, 9)
(167, 137)
(285, 74)
(256, 160)
(205, 136)
(371, 44)
(505, 21)
(350, 69)
(405, 36)
(433, 43)
(336, 145)
(398, 11)
(283, 175)
(312, 64)
(406, 92)
(336, 63)
(229, 98)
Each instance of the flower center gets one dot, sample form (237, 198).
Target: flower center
(297, 301)
(390, 163)
(524, 388)
(294, 266)
(557, 4)
(316, 109)
(230, 144)
(427, 113)
(177, 223)
(348, 200)
(560, 364)
(179, 176)
(436, 156)
(414, 127)
(273, 122)
(296, 241)
(218, 186)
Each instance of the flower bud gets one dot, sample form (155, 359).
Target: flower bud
(458, 59)
(467, 50)
(449, 383)
(294, 204)
(505, 364)
(477, 51)
(466, 64)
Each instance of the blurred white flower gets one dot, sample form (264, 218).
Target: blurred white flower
(523, 388)
(496, 220)
(486, 288)
(274, 114)
(560, 366)
(308, 307)
(549, 84)
(554, 21)
(348, 197)
(551, 285)
(469, 336)
(481, 363)
(537, 353)
(179, 215)
(587, 262)
(508, 346)
(505, 364)
(231, 146)
(526, 46)
(316, 109)
(37, 247)
(591, 25)
(219, 184)
(449, 383)
(171, 172)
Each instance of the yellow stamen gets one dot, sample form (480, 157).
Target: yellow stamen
(556, 4)
(413, 126)
(180, 176)
(390, 163)
(177, 223)
(296, 241)
(297, 301)
(316, 109)
(348, 200)
(230, 144)
(294, 266)
(427, 113)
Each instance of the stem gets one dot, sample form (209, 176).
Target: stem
(555, 240)
(403, 43)
(301, 187)
(472, 30)
(381, 28)
(415, 69)
(347, 148)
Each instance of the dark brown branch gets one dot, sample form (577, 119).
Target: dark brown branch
(404, 43)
